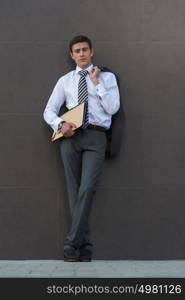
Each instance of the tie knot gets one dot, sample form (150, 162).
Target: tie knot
(83, 73)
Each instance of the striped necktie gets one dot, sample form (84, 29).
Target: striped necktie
(83, 95)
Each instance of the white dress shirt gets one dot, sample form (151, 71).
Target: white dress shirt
(103, 98)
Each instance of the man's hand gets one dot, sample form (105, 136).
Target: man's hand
(94, 75)
(68, 129)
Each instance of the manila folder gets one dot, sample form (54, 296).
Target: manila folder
(74, 115)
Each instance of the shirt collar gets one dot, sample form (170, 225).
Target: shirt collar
(89, 68)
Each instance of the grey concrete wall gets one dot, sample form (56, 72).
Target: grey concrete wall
(139, 208)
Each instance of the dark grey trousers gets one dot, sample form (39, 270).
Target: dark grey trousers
(83, 156)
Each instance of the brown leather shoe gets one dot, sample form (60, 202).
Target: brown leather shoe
(71, 255)
(85, 255)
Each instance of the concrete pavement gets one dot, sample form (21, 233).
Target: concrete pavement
(94, 269)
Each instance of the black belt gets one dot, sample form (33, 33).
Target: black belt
(96, 127)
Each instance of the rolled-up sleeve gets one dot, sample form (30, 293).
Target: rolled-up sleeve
(54, 104)
(108, 93)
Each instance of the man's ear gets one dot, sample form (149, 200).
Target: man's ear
(71, 54)
(92, 52)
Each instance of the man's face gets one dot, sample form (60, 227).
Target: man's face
(82, 54)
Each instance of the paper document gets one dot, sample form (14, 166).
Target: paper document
(74, 115)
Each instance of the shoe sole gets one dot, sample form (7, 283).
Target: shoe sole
(71, 259)
(85, 259)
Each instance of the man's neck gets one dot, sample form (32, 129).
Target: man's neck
(85, 67)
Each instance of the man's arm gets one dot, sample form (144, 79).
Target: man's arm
(52, 109)
(53, 106)
(107, 90)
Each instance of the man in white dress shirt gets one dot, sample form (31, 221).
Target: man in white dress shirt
(82, 150)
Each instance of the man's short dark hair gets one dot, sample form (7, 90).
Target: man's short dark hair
(80, 39)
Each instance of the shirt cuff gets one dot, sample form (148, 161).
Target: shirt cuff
(100, 89)
(56, 123)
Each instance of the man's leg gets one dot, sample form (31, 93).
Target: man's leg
(71, 157)
(94, 145)
(71, 154)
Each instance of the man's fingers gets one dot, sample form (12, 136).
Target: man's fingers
(72, 125)
(69, 133)
(68, 129)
